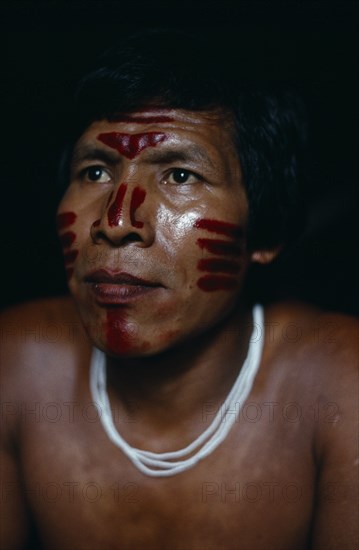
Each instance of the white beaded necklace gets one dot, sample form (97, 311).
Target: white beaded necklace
(165, 464)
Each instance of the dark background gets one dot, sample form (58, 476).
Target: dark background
(310, 45)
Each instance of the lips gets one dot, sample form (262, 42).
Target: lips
(111, 287)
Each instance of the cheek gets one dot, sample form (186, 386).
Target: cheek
(65, 223)
(220, 267)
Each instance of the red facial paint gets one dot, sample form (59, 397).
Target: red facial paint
(210, 283)
(96, 223)
(141, 119)
(131, 145)
(217, 265)
(70, 257)
(117, 334)
(69, 272)
(67, 239)
(223, 228)
(65, 219)
(224, 248)
(138, 196)
(114, 212)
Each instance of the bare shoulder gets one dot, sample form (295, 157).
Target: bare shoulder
(315, 356)
(40, 342)
(313, 362)
(326, 341)
(39, 327)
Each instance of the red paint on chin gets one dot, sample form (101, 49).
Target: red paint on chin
(138, 196)
(118, 338)
(211, 283)
(223, 228)
(141, 119)
(131, 145)
(114, 212)
(217, 265)
(65, 219)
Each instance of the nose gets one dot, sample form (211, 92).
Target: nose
(125, 218)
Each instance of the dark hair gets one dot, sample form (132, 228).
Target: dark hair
(175, 69)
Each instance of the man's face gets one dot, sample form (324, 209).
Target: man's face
(153, 228)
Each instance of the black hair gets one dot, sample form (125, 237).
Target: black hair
(176, 69)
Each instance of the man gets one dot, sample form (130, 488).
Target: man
(157, 408)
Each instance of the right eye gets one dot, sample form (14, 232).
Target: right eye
(96, 174)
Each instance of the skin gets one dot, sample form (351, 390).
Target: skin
(285, 475)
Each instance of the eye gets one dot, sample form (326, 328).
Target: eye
(96, 174)
(179, 176)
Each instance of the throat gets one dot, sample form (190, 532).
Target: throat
(176, 393)
(164, 463)
(180, 382)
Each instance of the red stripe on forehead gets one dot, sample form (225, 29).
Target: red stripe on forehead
(131, 145)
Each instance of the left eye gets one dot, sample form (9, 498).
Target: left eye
(179, 175)
(96, 174)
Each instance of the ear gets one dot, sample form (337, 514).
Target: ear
(265, 256)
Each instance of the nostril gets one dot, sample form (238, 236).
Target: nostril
(131, 238)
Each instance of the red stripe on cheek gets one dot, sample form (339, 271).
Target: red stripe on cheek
(214, 265)
(131, 145)
(67, 239)
(70, 257)
(224, 248)
(69, 272)
(114, 212)
(223, 228)
(65, 219)
(138, 196)
(210, 283)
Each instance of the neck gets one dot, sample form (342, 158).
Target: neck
(184, 382)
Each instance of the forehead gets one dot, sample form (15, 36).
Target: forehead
(210, 134)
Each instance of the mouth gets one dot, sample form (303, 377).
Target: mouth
(114, 288)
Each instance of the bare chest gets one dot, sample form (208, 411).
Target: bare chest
(255, 491)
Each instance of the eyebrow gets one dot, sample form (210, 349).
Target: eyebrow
(164, 156)
(141, 119)
(169, 156)
(91, 152)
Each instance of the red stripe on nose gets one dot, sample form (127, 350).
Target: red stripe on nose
(114, 212)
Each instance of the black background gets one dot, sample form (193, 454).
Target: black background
(310, 45)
